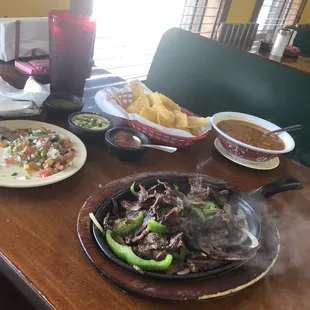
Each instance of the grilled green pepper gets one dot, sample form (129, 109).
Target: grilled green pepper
(125, 253)
(154, 226)
(200, 213)
(209, 208)
(181, 254)
(210, 205)
(126, 226)
(132, 189)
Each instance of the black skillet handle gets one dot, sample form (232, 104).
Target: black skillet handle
(278, 186)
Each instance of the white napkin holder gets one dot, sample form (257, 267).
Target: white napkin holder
(33, 34)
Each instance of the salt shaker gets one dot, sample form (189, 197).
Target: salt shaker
(281, 42)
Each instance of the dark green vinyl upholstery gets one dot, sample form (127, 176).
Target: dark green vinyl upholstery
(206, 76)
(302, 40)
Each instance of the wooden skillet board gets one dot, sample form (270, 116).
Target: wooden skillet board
(198, 290)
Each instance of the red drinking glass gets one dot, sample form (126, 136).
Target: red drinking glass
(71, 41)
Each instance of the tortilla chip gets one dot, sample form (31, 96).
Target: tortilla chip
(149, 113)
(169, 104)
(164, 116)
(166, 119)
(196, 122)
(117, 99)
(137, 105)
(195, 131)
(180, 119)
(136, 90)
(154, 99)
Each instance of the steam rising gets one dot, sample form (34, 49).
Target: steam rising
(294, 228)
(293, 223)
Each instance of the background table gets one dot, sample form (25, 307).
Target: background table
(300, 63)
(40, 251)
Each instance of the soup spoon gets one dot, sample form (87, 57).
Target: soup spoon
(289, 128)
(164, 148)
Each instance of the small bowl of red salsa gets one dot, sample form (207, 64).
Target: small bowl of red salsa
(121, 143)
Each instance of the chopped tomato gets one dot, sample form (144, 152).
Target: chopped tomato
(30, 150)
(10, 160)
(44, 174)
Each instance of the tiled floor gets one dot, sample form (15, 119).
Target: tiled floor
(10, 298)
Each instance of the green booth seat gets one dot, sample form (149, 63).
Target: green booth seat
(302, 40)
(206, 77)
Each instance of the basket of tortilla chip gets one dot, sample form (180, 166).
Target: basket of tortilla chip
(155, 115)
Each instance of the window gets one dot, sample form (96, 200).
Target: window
(203, 16)
(275, 14)
(128, 32)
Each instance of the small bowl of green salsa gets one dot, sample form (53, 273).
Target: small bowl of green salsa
(60, 105)
(87, 124)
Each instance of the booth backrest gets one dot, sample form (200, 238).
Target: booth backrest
(207, 76)
(302, 40)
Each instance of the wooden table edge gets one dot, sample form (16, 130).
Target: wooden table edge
(25, 287)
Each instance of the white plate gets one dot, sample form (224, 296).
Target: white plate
(267, 165)
(6, 178)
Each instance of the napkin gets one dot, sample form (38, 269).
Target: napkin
(110, 106)
(22, 102)
(33, 34)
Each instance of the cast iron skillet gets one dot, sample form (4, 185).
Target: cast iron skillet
(248, 202)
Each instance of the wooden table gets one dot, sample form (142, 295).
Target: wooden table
(301, 63)
(41, 254)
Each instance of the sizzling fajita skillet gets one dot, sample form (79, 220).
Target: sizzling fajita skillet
(117, 215)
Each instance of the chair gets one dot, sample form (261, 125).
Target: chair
(304, 26)
(206, 76)
(238, 35)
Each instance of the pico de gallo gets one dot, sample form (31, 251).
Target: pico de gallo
(41, 150)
